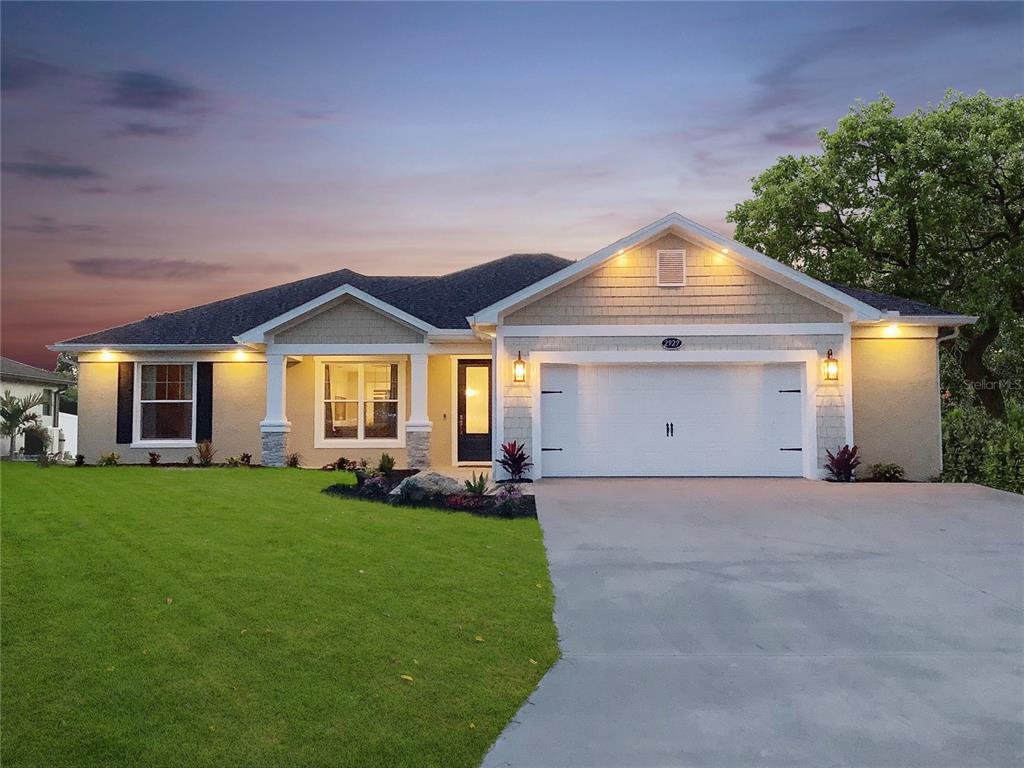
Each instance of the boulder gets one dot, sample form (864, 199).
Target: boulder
(425, 486)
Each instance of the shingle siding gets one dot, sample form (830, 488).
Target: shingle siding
(349, 322)
(625, 291)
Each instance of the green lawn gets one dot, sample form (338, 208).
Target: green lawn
(235, 617)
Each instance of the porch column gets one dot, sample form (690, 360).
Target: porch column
(275, 426)
(417, 428)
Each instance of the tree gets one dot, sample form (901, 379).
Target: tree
(929, 206)
(16, 416)
(67, 366)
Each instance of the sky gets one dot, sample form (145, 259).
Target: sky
(159, 156)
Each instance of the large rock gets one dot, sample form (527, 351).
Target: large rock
(425, 486)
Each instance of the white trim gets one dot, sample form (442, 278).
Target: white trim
(690, 329)
(498, 353)
(259, 334)
(680, 252)
(373, 349)
(319, 441)
(159, 442)
(846, 377)
(943, 321)
(809, 358)
(62, 347)
(454, 412)
(691, 230)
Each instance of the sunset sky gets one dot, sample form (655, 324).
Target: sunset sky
(157, 156)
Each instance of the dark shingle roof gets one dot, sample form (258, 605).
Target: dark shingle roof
(443, 301)
(887, 303)
(13, 370)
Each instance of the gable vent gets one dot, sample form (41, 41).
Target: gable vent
(672, 268)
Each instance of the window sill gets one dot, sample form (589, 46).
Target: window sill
(163, 444)
(356, 443)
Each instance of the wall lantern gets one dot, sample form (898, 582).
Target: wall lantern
(519, 369)
(831, 368)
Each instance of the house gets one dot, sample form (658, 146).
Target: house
(22, 380)
(674, 351)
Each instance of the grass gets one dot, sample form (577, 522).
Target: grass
(229, 617)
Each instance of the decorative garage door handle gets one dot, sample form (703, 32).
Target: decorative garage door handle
(670, 429)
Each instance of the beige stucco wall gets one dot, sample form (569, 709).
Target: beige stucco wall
(625, 291)
(239, 402)
(896, 412)
(348, 321)
(830, 400)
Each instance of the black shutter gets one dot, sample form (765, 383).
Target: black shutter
(204, 401)
(125, 406)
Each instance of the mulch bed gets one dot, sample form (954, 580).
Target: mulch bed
(484, 506)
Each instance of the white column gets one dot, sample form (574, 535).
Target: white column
(418, 419)
(276, 419)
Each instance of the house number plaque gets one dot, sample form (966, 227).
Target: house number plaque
(671, 343)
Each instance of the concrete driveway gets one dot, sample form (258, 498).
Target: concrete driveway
(708, 622)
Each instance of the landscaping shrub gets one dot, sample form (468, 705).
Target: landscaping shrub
(233, 462)
(80, 460)
(342, 464)
(293, 460)
(386, 465)
(980, 449)
(43, 460)
(1003, 464)
(842, 464)
(886, 473)
(205, 453)
(376, 487)
(190, 460)
(514, 460)
(246, 458)
(154, 458)
(467, 501)
(110, 459)
(479, 485)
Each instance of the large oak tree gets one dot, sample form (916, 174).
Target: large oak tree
(928, 206)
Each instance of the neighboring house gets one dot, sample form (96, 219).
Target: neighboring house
(22, 380)
(674, 351)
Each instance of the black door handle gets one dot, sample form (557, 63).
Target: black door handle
(666, 429)
(671, 429)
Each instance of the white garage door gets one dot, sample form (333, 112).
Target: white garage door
(666, 420)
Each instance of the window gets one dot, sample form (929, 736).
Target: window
(361, 401)
(49, 402)
(672, 268)
(166, 405)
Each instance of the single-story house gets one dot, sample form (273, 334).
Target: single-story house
(674, 351)
(23, 380)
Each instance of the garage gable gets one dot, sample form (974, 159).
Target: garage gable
(629, 288)
(347, 321)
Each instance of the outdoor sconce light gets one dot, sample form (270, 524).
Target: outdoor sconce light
(831, 368)
(519, 369)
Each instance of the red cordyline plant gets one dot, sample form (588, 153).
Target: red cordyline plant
(514, 460)
(842, 463)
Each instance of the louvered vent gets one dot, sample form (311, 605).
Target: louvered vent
(671, 268)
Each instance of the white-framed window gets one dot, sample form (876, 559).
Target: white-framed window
(165, 405)
(672, 268)
(360, 403)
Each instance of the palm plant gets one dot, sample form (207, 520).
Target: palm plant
(16, 416)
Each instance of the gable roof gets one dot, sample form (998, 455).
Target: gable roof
(816, 290)
(12, 370)
(441, 301)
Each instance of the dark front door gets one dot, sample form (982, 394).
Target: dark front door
(474, 417)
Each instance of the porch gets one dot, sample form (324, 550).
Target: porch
(427, 410)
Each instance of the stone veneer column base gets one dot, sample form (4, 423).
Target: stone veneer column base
(417, 449)
(275, 448)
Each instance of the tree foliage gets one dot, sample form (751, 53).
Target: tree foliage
(17, 416)
(929, 206)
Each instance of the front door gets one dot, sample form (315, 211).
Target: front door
(473, 430)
